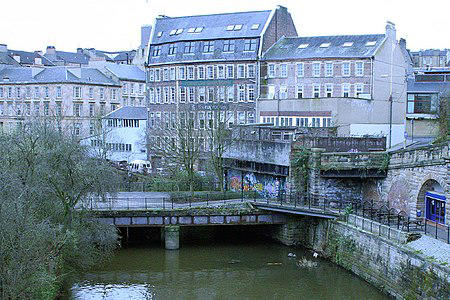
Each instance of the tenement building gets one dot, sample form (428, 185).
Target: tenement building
(206, 67)
(74, 96)
(356, 83)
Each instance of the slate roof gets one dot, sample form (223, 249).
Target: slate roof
(115, 56)
(28, 57)
(430, 52)
(146, 31)
(214, 26)
(7, 60)
(436, 87)
(128, 112)
(123, 72)
(59, 74)
(288, 48)
(68, 57)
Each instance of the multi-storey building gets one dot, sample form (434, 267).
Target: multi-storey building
(131, 78)
(354, 82)
(207, 66)
(10, 57)
(75, 96)
(142, 52)
(425, 91)
(431, 58)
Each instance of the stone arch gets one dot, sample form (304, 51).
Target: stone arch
(428, 184)
(399, 196)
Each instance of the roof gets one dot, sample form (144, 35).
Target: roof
(314, 47)
(430, 52)
(212, 26)
(432, 87)
(7, 60)
(60, 74)
(68, 57)
(115, 55)
(128, 112)
(122, 71)
(29, 57)
(145, 35)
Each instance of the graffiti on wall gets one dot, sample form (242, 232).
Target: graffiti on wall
(265, 185)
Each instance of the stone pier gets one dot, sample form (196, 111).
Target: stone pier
(172, 237)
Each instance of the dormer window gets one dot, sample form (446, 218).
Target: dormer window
(255, 26)
(179, 31)
(238, 27)
(159, 34)
(234, 27)
(172, 32)
(198, 29)
(347, 44)
(325, 45)
(176, 31)
(303, 46)
(230, 27)
(371, 43)
(191, 30)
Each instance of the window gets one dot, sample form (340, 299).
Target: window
(283, 92)
(230, 93)
(172, 49)
(91, 93)
(359, 88)
(241, 92)
(210, 120)
(10, 92)
(102, 93)
(77, 109)
(200, 72)
(284, 70)
(237, 27)
(230, 118)
(182, 93)
(151, 95)
(211, 97)
(422, 103)
(189, 47)
(241, 117)
(303, 46)
(347, 44)
(77, 92)
(271, 71)
(329, 90)
(166, 95)
(316, 69)
(345, 90)
(328, 69)
(125, 89)
(271, 92)
(77, 128)
(1, 92)
(315, 122)
(325, 45)
(172, 94)
(191, 94)
(157, 77)
(221, 72)
(36, 92)
(241, 71)
(230, 71)
(255, 26)
(172, 73)
(359, 68)
(250, 118)
(18, 91)
(201, 120)
(151, 75)
(28, 92)
(201, 94)
(228, 46)
(156, 51)
(165, 74)
(210, 72)
(371, 43)
(299, 91)
(190, 73)
(300, 70)
(181, 73)
(251, 92)
(141, 88)
(91, 109)
(316, 91)
(113, 94)
(346, 69)
(208, 47)
(250, 45)
(221, 93)
(36, 109)
(326, 122)
(47, 92)
(251, 71)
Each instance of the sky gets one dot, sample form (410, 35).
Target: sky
(113, 25)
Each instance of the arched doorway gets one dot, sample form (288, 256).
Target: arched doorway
(431, 201)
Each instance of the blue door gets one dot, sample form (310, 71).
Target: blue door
(435, 207)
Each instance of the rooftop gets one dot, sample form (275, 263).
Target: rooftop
(128, 112)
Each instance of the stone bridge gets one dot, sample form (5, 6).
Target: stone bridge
(400, 182)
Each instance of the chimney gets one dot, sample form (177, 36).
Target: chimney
(50, 50)
(390, 30)
(3, 48)
(402, 43)
(79, 50)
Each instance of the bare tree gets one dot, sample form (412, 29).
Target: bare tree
(443, 117)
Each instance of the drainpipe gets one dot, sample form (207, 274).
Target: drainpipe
(390, 95)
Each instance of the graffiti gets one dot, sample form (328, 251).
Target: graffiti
(265, 185)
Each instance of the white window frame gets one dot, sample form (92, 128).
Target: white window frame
(328, 89)
(344, 86)
(271, 71)
(283, 92)
(300, 90)
(240, 71)
(300, 69)
(316, 71)
(283, 70)
(343, 71)
(314, 91)
(329, 71)
(359, 71)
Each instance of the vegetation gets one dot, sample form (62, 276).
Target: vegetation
(46, 176)
(300, 168)
(443, 120)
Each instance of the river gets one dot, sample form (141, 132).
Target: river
(250, 268)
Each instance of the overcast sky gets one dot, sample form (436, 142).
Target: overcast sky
(115, 24)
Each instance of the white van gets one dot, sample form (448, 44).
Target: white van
(139, 166)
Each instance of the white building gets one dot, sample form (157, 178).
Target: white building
(123, 137)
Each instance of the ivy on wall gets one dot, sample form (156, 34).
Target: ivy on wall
(300, 168)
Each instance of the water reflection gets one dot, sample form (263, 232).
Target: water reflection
(250, 271)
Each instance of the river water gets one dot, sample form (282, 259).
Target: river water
(219, 269)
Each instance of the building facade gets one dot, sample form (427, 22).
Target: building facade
(356, 83)
(206, 67)
(76, 97)
(431, 58)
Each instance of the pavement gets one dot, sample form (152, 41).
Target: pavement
(432, 248)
